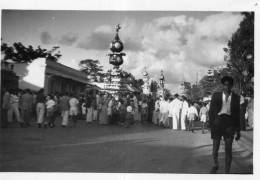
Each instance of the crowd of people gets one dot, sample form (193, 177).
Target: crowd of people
(226, 114)
(179, 113)
(174, 112)
(102, 108)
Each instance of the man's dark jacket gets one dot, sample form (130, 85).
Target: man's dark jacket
(215, 107)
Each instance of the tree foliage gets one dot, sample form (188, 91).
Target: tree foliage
(211, 84)
(22, 54)
(240, 50)
(167, 92)
(153, 87)
(186, 89)
(89, 66)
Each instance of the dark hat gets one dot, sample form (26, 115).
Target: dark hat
(227, 78)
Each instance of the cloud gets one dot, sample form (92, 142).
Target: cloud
(181, 46)
(99, 39)
(46, 37)
(67, 39)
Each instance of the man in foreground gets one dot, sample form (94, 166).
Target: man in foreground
(224, 122)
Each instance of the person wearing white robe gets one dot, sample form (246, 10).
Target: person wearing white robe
(175, 111)
(164, 111)
(184, 112)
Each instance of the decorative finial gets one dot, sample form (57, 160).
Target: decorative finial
(161, 71)
(118, 28)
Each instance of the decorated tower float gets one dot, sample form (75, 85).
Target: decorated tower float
(146, 86)
(160, 89)
(115, 79)
(210, 80)
(183, 90)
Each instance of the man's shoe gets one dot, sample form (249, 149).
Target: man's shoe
(214, 170)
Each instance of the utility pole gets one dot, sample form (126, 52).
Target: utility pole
(197, 78)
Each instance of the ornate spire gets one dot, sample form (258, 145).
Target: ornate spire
(161, 76)
(116, 46)
(145, 72)
(118, 28)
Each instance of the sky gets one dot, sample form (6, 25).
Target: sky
(184, 44)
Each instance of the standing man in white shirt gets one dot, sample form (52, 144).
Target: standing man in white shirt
(164, 111)
(184, 112)
(73, 110)
(224, 122)
(175, 110)
(192, 114)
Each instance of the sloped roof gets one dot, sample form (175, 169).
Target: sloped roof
(131, 88)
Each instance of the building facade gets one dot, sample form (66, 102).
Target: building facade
(52, 76)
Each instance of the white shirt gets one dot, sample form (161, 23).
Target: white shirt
(225, 109)
(176, 106)
(50, 103)
(14, 99)
(242, 100)
(164, 107)
(208, 105)
(157, 105)
(192, 110)
(110, 104)
(144, 105)
(118, 105)
(169, 109)
(129, 109)
(74, 102)
(185, 107)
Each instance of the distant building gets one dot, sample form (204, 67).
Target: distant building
(52, 76)
(160, 88)
(146, 86)
(8, 77)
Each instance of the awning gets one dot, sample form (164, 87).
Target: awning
(136, 90)
(131, 88)
(92, 86)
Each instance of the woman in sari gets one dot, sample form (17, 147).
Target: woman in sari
(103, 117)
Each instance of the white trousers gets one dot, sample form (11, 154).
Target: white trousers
(13, 110)
(65, 117)
(40, 109)
(175, 119)
(163, 118)
(183, 118)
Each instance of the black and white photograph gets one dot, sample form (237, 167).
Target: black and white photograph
(128, 89)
